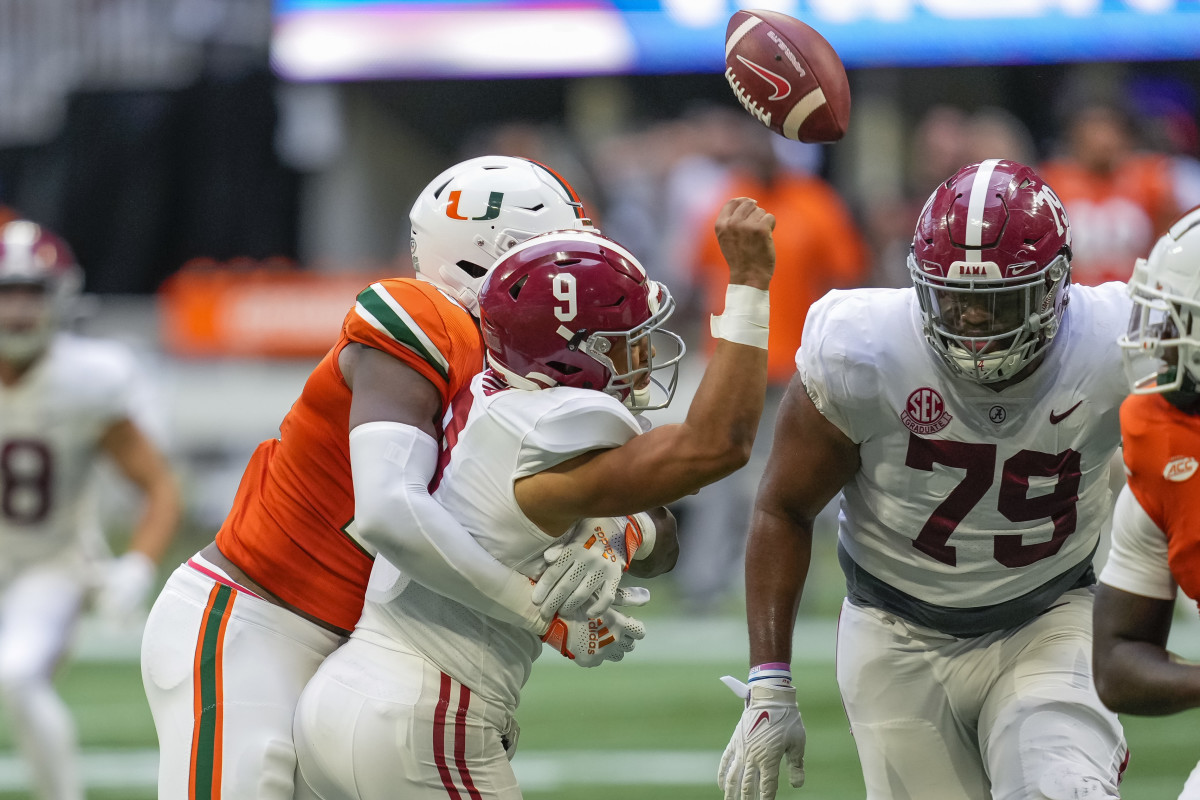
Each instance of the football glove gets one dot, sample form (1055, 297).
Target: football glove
(124, 584)
(770, 730)
(592, 641)
(584, 571)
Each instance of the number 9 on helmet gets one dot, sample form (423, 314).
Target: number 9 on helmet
(574, 308)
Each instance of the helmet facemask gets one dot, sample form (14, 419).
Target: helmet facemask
(1161, 347)
(988, 328)
(630, 357)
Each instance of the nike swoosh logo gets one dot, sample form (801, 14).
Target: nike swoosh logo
(1057, 418)
(763, 717)
(780, 83)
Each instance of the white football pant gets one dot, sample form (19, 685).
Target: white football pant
(1191, 789)
(379, 724)
(223, 670)
(1010, 715)
(37, 616)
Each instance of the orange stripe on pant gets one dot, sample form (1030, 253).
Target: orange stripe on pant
(204, 781)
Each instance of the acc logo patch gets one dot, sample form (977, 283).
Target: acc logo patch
(925, 412)
(1180, 468)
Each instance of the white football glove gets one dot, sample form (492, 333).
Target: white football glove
(769, 731)
(124, 584)
(592, 641)
(587, 565)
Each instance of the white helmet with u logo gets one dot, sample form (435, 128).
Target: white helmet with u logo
(477, 210)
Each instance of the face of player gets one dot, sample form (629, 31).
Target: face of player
(629, 360)
(986, 321)
(24, 321)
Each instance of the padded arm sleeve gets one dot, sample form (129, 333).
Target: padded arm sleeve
(392, 465)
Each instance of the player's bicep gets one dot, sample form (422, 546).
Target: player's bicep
(811, 459)
(385, 389)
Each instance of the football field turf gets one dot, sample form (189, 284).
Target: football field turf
(651, 727)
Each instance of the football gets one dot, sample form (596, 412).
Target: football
(787, 76)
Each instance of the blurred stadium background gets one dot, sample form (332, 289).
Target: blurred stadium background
(230, 172)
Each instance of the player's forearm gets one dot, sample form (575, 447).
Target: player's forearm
(1136, 677)
(391, 465)
(161, 512)
(777, 558)
(725, 411)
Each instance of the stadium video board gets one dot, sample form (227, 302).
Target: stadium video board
(382, 39)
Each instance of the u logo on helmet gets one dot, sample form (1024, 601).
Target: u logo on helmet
(495, 199)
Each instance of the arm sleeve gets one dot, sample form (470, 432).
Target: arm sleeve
(1137, 562)
(392, 465)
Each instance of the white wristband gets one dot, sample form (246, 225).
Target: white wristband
(649, 534)
(746, 317)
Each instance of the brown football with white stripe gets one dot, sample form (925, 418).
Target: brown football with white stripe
(787, 76)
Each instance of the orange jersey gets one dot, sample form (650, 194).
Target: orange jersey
(1162, 460)
(1114, 218)
(287, 528)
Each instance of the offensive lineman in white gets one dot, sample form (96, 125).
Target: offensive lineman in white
(419, 702)
(64, 402)
(969, 424)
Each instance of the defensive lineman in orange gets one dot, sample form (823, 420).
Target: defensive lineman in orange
(241, 627)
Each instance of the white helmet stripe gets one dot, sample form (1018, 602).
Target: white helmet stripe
(975, 206)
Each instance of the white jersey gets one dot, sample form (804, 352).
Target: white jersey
(508, 434)
(971, 505)
(51, 424)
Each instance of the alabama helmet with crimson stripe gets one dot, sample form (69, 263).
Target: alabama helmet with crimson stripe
(574, 308)
(991, 262)
(477, 210)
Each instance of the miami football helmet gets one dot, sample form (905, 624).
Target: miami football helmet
(573, 308)
(1161, 349)
(39, 280)
(477, 210)
(991, 262)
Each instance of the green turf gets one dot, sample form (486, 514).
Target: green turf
(631, 706)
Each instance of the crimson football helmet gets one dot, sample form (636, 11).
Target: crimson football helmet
(991, 262)
(33, 258)
(475, 211)
(1161, 349)
(573, 308)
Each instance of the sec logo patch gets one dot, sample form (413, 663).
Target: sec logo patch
(1180, 468)
(925, 412)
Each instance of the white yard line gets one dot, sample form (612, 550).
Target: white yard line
(536, 771)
